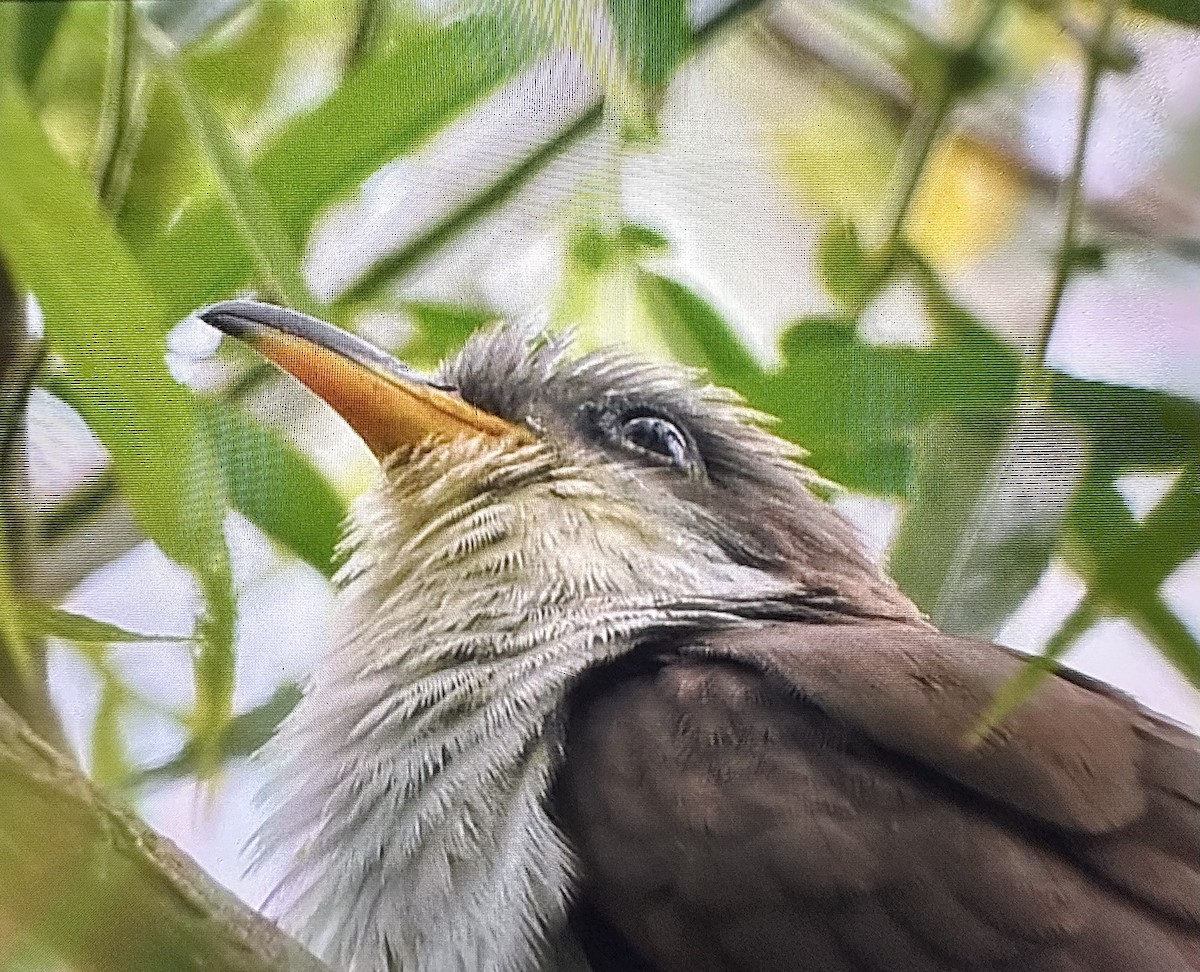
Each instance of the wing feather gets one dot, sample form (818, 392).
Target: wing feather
(799, 798)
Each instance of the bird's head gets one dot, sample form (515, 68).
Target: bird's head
(603, 468)
(537, 515)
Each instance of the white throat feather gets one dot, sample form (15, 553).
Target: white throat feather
(408, 825)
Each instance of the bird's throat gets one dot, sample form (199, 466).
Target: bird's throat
(410, 827)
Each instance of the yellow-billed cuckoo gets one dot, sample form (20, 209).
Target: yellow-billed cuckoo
(612, 689)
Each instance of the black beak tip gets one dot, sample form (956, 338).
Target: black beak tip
(242, 319)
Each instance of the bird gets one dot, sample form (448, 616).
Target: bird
(612, 687)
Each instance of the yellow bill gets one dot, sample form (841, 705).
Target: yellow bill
(387, 403)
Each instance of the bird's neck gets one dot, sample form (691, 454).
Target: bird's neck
(411, 825)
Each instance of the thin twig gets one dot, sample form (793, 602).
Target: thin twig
(487, 198)
(922, 136)
(1064, 264)
(804, 38)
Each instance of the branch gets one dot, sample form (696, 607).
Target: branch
(803, 36)
(106, 892)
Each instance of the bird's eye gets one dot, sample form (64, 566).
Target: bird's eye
(661, 438)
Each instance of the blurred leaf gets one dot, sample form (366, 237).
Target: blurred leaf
(242, 737)
(122, 112)
(70, 80)
(1037, 669)
(441, 330)
(845, 266)
(45, 620)
(1185, 12)
(276, 257)
(274, 485)
(985, 516)
(109, 328)
(200, 257)
(109, 763)
(1124, 561)
(857, 407)
(699, 336)
(653, 37)
(952, 455)
(1131, 426)
(37, 24)
(382, 273)
(1169, 634)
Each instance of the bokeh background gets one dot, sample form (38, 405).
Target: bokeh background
(953, 245)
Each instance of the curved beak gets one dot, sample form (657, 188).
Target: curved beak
(387, 403)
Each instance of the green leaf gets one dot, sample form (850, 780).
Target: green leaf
(1170, 635)
(441, 330)
(274, 485)
(1036, 670)
(384, 271)
(653, 37)
(276, 257)
(327, 153)
(985, 515)
(243, 736)
(952, 455)
(845, 267)
(102, 318)
(1185, 12)
(857, 407)
(698, 335)
(45, 620)
(37, 23)
(1124, 561)
(109, 764)
(109, 328)
(487, 198)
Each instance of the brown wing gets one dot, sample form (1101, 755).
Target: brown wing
(803, 798)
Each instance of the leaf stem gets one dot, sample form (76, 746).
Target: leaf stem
(921, 137)
(1073, 187)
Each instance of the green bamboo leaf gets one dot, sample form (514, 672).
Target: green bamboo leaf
(1169, 634)
(653, 37)
(109, 763)
(858, 407)
(244, 735)
(37, 24)
(45, 620)
(274, 485)
(1125, 561)
(109, 328)
(1013, 693)
(985, 514)
(441, 330)
(698, 335)
(327, 153)
(845, 266)
(275, 256)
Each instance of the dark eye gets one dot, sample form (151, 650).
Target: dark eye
(659, 437)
